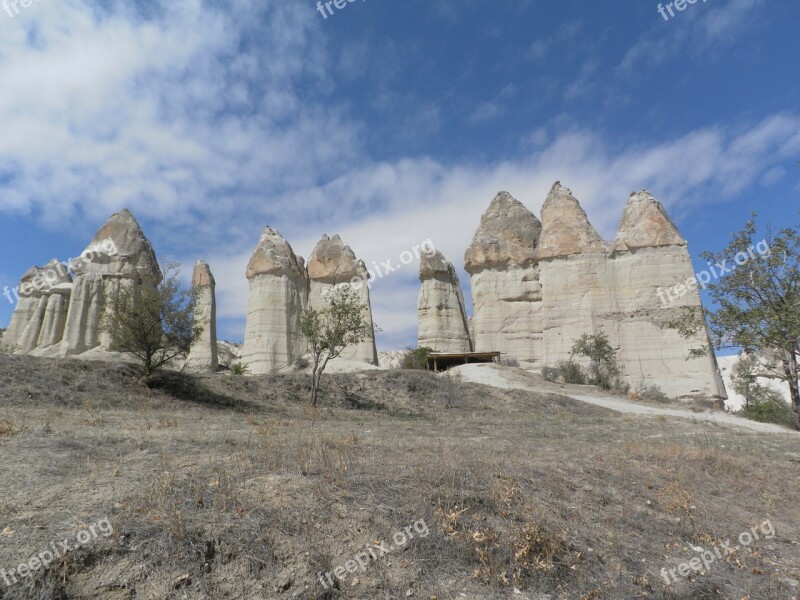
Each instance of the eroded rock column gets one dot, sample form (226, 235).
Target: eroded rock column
(204, 352)
(649, 256)
(119, 255)
(575, 274)
(278, 291)
(38, 319)
(504, 275)
(442, 319)
(332, 263)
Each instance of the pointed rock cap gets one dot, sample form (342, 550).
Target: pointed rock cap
(645, 224)
(273, 256)
(333, 261)
(433, 265)
(120, 248)
(42, 280)
(566, 229)
(508, 235)
(201, 276)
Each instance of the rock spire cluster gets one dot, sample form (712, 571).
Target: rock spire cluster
(537, 286)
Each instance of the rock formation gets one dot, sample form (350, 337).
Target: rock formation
(332, 263)
(61, 305)
(577, 278)
(442, 319)
(504, 274)
(538, 288)
(41, 308)
(277, 298)
(203, 354)
(118, 256)
(648, 255)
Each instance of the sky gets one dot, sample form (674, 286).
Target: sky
(389, 122)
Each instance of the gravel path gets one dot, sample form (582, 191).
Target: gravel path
(513, 378)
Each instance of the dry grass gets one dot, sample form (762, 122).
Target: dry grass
(234, 488)
(9, 428)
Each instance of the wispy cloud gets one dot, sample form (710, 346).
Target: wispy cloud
(706, 28)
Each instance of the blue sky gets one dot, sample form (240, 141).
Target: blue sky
(389, 122)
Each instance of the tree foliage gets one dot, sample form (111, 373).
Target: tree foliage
(329, 331)
(417, 358)
(156, 324)
(761, 403)
(757, 302)
(603, 367)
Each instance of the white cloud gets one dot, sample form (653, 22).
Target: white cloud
(163, 115)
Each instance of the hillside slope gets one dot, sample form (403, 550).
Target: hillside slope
(234, 488)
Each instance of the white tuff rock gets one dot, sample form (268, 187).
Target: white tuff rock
(278, 295)
(333, 263)
(442, 318)
(203, 354)
(504, 274)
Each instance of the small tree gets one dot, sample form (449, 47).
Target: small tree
(155, 324)
(603, 368)
(757, 303)
(417, 358)
(330, 330)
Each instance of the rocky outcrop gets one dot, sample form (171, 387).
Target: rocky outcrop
(229, 353)
(650, 255)
(61, 305)
(40, 313)
(333, 263)
(583, 285)
(203, 355)
(277, 298)
(119, 256)
(442, 318)
(646, 224)
(566, 229)
(504, 274)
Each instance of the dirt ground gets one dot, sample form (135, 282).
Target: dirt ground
(233, 487)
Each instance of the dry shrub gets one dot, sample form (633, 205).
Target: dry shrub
(8, 428)
(677, 501)
(520, 548)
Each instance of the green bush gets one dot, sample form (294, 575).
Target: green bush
(417, 358)
(770, 410)
(239, 368)
(604, 370)
(761, 403)
(572, 372)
